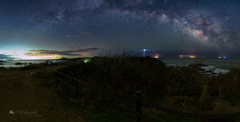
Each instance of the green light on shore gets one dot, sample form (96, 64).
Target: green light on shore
(86, 60)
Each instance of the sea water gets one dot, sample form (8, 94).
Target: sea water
(219, 65)
(11, 63)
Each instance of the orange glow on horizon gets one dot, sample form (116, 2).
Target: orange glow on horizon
(187, 56)
(25, 53)
(26, 57)
(156, 56)
(21, 54)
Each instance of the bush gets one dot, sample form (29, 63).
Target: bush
(122, 75)
(151, 76)
(184, 81)
(226, 84)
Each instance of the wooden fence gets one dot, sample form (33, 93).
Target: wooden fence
(139, 102)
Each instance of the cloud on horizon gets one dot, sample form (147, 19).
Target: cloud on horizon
(77, 52)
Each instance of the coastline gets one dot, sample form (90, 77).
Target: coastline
(19, 63)
(225, 64)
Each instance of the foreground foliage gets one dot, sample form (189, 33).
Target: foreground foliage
(182, 88)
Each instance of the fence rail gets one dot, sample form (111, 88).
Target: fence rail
(139, 101)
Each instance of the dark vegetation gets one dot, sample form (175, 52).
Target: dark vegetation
(184, 89)
(125, 75)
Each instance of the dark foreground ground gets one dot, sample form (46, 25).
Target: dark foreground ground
(34, 94)
(22, 100)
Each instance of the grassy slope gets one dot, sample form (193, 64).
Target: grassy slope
(19, 92)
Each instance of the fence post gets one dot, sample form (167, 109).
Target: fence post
(139, 106)
(76, 91)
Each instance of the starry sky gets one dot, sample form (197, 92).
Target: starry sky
(79, 28)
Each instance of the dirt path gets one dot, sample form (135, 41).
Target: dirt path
(22, 100)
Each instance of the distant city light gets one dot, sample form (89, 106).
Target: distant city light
(187, 56)
(192, 56)
(224, 57)
(156, 56)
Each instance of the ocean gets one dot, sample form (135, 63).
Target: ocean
(11, 63)
(226, 64)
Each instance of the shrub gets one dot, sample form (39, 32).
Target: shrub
(123, 75)
(184, 81)
(226, 84)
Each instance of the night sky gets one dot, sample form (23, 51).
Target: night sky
(32, 29)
